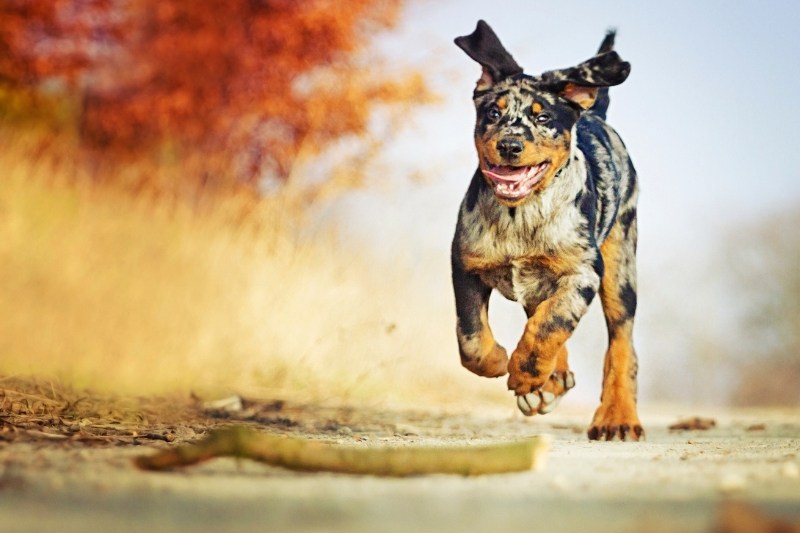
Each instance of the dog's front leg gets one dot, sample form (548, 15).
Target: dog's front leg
(549, 326)
(479, 352)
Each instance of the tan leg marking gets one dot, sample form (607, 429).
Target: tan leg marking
(617, 418)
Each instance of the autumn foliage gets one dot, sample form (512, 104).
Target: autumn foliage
(234, 91)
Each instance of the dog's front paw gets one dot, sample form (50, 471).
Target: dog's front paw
(527, 374)
(491, 365)
(547, 398)
(616, 421)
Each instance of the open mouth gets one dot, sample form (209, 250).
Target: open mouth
(513, 183)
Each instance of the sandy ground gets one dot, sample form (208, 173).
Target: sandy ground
(59, 476)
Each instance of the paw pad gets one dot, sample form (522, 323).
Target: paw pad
(528, 403)
(538, 401)
(547, 398)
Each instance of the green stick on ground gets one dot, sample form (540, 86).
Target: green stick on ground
(314, 456)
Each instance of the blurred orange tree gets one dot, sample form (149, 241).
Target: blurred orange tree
(230, 92)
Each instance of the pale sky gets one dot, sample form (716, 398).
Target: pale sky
(708, 114)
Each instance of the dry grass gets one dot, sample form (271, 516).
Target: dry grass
(117, 293)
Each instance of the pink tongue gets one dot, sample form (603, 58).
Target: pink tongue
(507, 176)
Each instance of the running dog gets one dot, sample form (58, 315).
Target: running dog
(548, 220)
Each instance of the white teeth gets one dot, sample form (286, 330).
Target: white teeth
(534, 171)
(520, 187)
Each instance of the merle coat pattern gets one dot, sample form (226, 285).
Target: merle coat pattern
(548, 220)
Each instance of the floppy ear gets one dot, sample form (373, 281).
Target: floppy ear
(580, 84)
(608, 41)
(483, 46)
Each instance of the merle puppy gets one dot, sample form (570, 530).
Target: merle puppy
(548, 220)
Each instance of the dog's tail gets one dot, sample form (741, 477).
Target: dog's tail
(600, 106)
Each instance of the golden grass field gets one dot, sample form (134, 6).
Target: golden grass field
(115, 292)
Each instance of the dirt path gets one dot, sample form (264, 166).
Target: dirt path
(67, 467)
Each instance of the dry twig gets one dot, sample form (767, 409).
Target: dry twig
(303, 454)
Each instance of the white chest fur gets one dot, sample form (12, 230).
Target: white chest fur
(510, 248)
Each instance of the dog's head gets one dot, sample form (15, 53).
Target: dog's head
(524, 123)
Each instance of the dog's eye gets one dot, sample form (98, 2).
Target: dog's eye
(493, 114)
(543, 118)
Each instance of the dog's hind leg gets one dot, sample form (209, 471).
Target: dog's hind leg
(617, 418)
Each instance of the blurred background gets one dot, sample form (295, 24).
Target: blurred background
(258, 196)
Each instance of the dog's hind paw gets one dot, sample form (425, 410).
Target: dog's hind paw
(547, 398)
(616, 422)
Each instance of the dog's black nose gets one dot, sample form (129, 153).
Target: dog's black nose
(510, 147)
